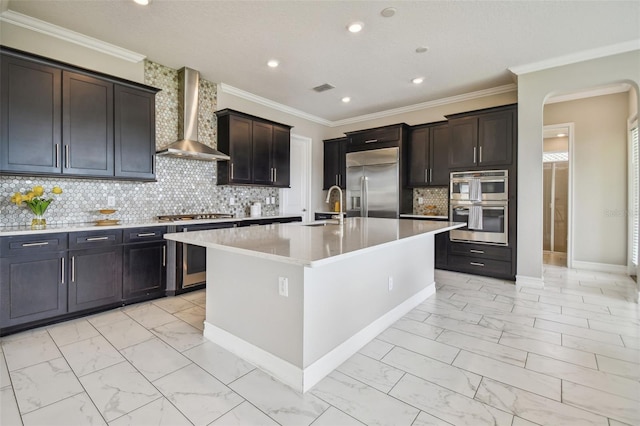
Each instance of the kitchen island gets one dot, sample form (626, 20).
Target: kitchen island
(297, 300)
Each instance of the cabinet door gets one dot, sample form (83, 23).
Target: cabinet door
(144, 270)
(30, 111)
(440, 246)
(495, 138)
(95, 278)
(464, 141)
(32, 287)
(419, 157)
(87, 125)
(134, 137)
(439, 155)
(240, 149)
(281, 159)
(262, 149)
(334, 163)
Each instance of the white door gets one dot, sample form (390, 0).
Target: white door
(296, 199)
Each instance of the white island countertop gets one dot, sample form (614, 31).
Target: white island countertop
(316, 243)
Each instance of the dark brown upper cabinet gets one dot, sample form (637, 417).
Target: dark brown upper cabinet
(259, 150)
(482, 138)
(428, 151)
(58, 119)
(335, 169)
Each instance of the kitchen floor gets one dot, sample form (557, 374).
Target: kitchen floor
(479, 352)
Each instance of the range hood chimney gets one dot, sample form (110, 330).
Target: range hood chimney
(187, 145)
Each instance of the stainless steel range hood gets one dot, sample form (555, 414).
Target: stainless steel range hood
(187, 145)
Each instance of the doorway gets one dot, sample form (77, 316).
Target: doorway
(556, 189)
(297, 198)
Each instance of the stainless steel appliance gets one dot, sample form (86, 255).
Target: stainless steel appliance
(373, 183)
(491, 198)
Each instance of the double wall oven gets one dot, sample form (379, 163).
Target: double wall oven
(485, 195)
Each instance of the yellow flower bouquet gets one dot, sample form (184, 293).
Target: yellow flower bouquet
(37, 203)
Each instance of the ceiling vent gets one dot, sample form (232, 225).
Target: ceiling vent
(323, 88)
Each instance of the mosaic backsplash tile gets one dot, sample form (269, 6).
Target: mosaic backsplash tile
(438, 197)
(182, 186)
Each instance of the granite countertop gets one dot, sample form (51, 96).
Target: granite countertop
(322, 242)
(6, 231)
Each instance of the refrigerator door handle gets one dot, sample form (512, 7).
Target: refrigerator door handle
(365, 193)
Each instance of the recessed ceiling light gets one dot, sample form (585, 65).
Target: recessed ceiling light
(417, 80)
(143, 2)
(561, 135)
(388, 12)
(273, 63)
(421, 49)
(346, 99)
(355, 27)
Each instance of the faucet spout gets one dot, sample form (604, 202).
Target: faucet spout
(340, 216)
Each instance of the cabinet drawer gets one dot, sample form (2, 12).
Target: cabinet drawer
(475, 265)
(138, 235)
(375, 136)
(91, 239)
(22, 245)
(481, 251)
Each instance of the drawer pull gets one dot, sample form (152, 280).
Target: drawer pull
(164, 255)
(97, 238)
(476, 264)
(42, 243)
(73, 269)
(371, 141)
(147, 234)
(476, 251)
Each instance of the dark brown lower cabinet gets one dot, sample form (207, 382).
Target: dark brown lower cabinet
(481, 259)
(144, 270)
(441, 245)
(95, 278)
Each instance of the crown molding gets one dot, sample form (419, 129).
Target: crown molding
(43, 27)
(573, 58)
(600, 91)
(225, 88)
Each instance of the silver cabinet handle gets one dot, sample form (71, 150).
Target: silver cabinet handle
(147, 234)
(371, 141)
(430, 175)
(275, 174)
(480, 154)
(66, 156)
(476, 251)
(73, 269)
(164, 255)
(57, 156)
(232, 171)
(43, 243)
(476, 264)
(474, 154)
(62, 271)
(337, 180)
(97, 238)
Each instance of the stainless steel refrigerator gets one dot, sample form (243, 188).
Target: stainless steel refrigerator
(373, 183)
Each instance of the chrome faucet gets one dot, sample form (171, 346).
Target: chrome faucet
(340, 218)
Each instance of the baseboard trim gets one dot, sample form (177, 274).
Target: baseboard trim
(599, 267)
(525, 281)
(304, 379)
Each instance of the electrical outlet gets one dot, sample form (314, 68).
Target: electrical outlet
(283, 286)
(268, 200)
(273, 200)
(420, 200)
(232, 201)
(111, 201)
(390, 283)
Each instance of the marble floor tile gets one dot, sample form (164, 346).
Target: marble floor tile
(193, 316)
(613, 384)
(118, 390)
(106, 318)
(564, 319)
(598, 316)
(461, 286)
(519, 421)
(159, 412)
(421, 329)
(219, 362)
(611, 351)
(149, 315)
(72, 332)
(574, 356)
(179, 335)
(75, 410)
(618, 327)
(154, 358)
(30, 350)
(412, 342)
(521, 330)
(371, 372)
(600, 336)
(477, 297)
(445, 375)
(5, 380)
(425, 419)
(198, 297)
(539, 384)
(546, 307)
(464, 328)
(605, 301)
(363, 402)
(482, 347)
(43, 384)
(173, 304)
(9, 414)
(278, 400)
(516, 297)
(630, 370)
(601, 402)
(450, 313)
(417, 315)
(442, 303)
(93, 354)
(376, 349)
(627, 312)
(447, 405)
(122, 334)
(534, 408)
(509, 317)
(197, 394)
(577, 305)
(246, 414)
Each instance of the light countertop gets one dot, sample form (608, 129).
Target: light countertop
(423, 216)
(6, 231)
(298, 244)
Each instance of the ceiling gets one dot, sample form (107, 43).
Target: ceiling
(471, 44)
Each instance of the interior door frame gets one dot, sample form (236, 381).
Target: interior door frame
(570, 210)
(305, 177)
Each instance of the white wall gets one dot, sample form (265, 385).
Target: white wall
(600, 175)
(533, 89)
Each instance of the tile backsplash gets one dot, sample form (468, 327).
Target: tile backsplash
(438, 197)
(182, 186)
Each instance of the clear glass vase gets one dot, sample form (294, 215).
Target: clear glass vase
(38, 222)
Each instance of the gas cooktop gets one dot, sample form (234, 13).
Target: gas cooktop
(194, 216)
